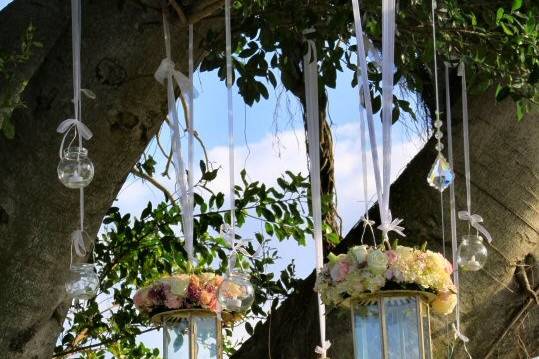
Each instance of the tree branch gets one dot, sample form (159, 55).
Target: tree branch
(200, 12)
(179, 10)
(156, 183)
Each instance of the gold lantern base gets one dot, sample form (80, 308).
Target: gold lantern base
(391, 324)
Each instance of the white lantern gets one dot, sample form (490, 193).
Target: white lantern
(391, 324)
(190, 334)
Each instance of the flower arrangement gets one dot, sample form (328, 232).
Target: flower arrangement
(180, 291)
(366, 270)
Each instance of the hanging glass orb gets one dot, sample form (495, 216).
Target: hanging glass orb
(75, 169)
(236, 293)
(472, 253)
(83, 281)
(441, 175)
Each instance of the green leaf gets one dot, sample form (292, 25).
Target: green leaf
(517, 4)
(521, 110)
(499, 15)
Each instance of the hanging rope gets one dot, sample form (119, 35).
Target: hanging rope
(167, 71)
(310, 69)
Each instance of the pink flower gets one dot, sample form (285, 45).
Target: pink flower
(340, 270)
(141, 299)
(392, 257)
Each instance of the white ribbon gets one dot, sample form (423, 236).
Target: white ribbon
(383, 182)
(66, 126)
(179, 166)
(310, 70)
(230, 114)
(475, 221)
(392, 225)
(77, 238)
(452, 206)
(322, 350)
(183, 82)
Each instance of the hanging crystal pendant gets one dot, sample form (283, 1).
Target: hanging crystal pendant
(441, 175)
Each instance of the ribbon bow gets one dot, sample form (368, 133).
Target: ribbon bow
(392, 225)
(77, 238)
(167, 66)
(66, 126)
(475, 221)
(72, 123)
(322, 349)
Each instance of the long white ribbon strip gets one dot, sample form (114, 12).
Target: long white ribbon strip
(388, 55)
(452, 204)
(473, 219)
(230, 113)
(383, 183)
(310, 69)
(179, 166)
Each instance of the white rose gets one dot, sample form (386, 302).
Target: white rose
(360, 253)
(377, 262)
(179, 285)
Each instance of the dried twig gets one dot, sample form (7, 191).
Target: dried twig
(515, 320)
(156, 183)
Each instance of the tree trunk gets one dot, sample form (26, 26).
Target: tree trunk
(505, 191)
(37, 214)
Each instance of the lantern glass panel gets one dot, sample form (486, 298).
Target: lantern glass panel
(192, 337)
(401, 316)
(366, 321)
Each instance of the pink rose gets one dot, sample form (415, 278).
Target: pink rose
(392, 257)
(340, 270)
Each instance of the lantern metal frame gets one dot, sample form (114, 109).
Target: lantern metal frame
(422, 300)
(176, 316)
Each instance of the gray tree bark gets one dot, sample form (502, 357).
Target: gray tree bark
(505, 173)
(37, 213)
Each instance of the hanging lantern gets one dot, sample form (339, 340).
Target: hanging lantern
(236, 293)
(190, 334)
(187, 307)
(83, 281)
(472, 253)
(392, 324)
(75, 169)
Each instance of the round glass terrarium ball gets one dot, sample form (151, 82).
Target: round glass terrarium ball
(75, 169)
(236, 293)
(472, 253)
(83, 281)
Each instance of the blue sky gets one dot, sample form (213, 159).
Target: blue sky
(269, 140)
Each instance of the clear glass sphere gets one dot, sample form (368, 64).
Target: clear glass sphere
(236, 293)
(83, 281)
(75, 169)
(472, 253)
